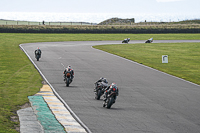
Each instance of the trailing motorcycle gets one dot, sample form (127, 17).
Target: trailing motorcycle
(126, 40)
(99, 89)
(68, 78)
(110, 99)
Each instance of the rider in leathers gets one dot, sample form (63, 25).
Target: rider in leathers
(38, 52)
(112, 87)
(68, 69)
(103, 81)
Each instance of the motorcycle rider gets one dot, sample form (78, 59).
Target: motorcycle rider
(103, 81)
(112, 87)
(128, 39)
(38, 52)
(68, 70)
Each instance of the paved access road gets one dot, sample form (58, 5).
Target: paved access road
(149, 100)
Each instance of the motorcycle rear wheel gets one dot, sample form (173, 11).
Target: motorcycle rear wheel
(110, 102)
(99, 94)
(67, 82)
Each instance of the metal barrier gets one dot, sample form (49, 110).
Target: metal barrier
(12, 22)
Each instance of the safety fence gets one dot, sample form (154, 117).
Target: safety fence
(12, 22)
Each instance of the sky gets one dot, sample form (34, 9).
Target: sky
(101, 6)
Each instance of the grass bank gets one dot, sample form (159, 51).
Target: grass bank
(183, 57)
(20, 79)
(136, 28)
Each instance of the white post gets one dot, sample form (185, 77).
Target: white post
(164, 58)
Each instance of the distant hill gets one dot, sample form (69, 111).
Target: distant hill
(117, 21)
(196, 21)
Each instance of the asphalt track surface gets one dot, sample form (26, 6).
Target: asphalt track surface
(149, 101)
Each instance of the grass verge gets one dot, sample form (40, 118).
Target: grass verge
(183, 57)
(20, 79)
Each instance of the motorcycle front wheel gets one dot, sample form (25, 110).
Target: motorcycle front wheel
(104, 104)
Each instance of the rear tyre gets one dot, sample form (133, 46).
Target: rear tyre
(110, 102)
(67, 82)
(99, 94)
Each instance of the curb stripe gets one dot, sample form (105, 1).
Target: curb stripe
(60, 112)
(44, 115)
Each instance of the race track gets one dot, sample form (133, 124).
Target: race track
(149, 101)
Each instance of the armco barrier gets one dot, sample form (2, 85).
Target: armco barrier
(12, 22)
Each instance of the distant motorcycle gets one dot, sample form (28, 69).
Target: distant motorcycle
(38, 54)
(100, 88)
(149, 40)
(126, 40)
(68, 78)
(110, 99)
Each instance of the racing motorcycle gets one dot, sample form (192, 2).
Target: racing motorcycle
(99, 90)
(126, 40)
(110, 99)
(68, 78)
(149, 40)
(38, 54)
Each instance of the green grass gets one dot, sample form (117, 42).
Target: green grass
(19, 78)
(183, 57)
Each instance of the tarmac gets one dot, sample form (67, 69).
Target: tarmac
(47, 114)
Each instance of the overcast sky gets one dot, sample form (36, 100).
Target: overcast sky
(101, 6)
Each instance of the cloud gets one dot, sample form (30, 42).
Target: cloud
(167, 0)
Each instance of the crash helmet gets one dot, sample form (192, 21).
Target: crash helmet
(101, 78)
(104, 80)
(69, 68)
(113, 86)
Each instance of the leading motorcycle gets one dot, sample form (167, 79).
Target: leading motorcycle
(110, 99)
